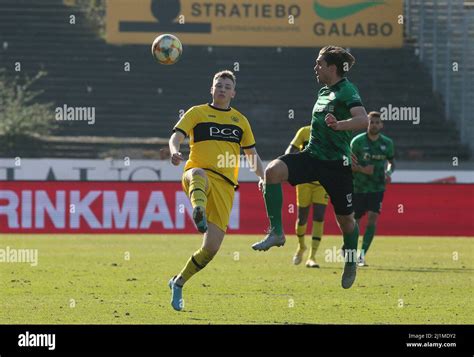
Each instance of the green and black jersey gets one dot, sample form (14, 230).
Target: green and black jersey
(326, 143)
(375, 153)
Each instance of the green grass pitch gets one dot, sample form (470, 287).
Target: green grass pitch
(122, 279)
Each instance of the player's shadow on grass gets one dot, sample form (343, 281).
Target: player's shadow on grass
(412, 270)
(422, 270)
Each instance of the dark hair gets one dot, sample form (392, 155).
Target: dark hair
(338, 56)
(374, 114)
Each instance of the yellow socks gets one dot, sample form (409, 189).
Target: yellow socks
(197, 262)
(197, 191)
(300, 231)
(316, 238)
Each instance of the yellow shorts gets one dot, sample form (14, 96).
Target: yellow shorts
(308, 193)
(220, 198)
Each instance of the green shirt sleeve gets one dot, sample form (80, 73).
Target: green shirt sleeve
(391, 150)
(350, 97)
(355, 148)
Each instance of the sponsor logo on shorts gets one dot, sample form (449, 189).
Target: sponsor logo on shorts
(349, 200)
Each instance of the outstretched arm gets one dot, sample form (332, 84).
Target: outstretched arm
(175, 142)
(255, 161)
(368, 170)
(390, 170)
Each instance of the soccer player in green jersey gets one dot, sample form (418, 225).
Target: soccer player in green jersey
(371, 172)
(327, 158)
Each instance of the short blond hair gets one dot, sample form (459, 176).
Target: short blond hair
(226, 74)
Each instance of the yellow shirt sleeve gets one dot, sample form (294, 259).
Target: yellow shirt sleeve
(187, 122)
(248, 140)
(299, 139)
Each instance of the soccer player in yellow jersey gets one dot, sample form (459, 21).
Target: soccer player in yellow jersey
(217, 132)
(307, 193)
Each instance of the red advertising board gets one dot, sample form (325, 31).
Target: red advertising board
(162, 207)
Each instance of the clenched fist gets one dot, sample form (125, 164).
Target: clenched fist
(331, 121)
(176, 158)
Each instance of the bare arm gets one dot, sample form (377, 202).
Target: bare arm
(390, 170)
(358, 121)
(255, 161)
(367, 170)
(356, 167)
(390, 167)
(175, 142)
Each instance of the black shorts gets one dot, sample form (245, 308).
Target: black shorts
(333, 176)
(371, 201)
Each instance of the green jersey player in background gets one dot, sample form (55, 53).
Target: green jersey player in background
(337, 112)
(371, 172)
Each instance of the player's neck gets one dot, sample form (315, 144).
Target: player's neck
(373, 137)
(223, 106)
(334, 81)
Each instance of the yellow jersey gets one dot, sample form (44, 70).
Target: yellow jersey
(215, 138)
(301, 138)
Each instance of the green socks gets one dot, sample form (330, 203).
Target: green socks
(368, 237)
(273, 196)
(350, 244)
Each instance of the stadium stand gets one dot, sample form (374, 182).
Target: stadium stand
(83, 70)
(442, 34)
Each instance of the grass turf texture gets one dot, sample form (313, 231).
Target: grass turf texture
(87, 279)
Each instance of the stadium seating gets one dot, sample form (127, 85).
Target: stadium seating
(442, 34)
(83, 70)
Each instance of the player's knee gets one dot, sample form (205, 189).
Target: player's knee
(273, 172)
(301, 220)
(270, 173)
(318, 212)
(372, 219)
(347, 223)
(318, 217)
(198, 172)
